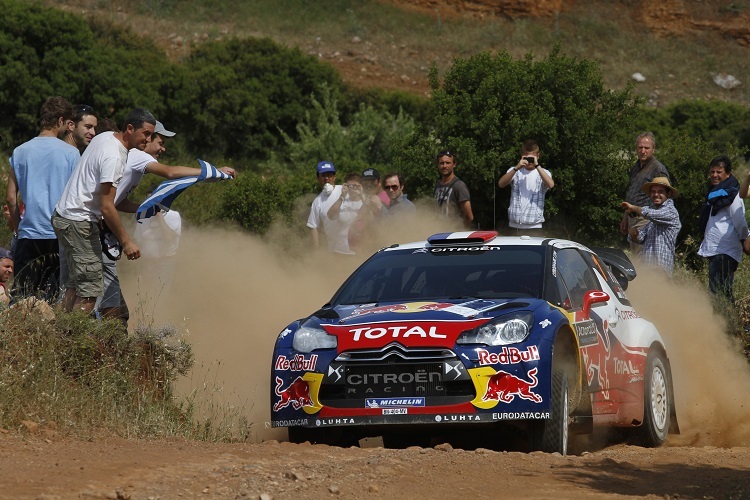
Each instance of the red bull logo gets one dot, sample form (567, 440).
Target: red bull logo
(297, 394)
(508, 356)
(505, 387)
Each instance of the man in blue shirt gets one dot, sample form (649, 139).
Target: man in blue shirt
(40, 168)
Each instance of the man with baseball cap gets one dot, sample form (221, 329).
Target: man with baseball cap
(112, 303)
(329, 193)
(659, 235)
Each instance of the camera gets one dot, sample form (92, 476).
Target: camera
(530, 159)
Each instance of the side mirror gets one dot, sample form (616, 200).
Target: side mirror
(593, 297)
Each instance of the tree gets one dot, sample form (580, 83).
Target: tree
(489, 104)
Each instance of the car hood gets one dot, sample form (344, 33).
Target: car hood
(414, 324)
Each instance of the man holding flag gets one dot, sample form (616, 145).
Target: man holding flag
(112, 303)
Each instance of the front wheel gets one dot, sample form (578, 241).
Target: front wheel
(657, 400)
(552, 435)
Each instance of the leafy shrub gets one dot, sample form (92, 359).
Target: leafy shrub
(255, 202)
(87, 375)
(239, 94)
(489, 104)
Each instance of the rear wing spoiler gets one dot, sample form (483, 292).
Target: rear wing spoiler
(619, 263)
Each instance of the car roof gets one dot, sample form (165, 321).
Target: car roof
(485, 238)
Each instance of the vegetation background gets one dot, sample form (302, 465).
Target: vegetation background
(273, 88)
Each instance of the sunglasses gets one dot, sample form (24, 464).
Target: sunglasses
(445, 153)
(391, 187)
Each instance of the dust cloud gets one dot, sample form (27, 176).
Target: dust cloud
(232, 293)
(711, 376)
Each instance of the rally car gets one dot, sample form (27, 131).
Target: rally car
(473, 329)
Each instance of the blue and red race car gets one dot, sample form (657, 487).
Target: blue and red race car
(474, 329)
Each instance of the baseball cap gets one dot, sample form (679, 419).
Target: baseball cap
(325, 166)
(159, 129)
(5, 254)
(370, 173)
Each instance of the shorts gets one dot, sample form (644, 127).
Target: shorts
(83, 254)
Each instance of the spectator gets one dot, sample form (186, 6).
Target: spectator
(645, 170)
(351, 214)
(658, 237)
(112, 303)
(393, 184)
(40, 168)
(88, 198)
(6, 271)
(318, 218)
(84, 127)
(371, 184)
(451, 194)
(529, 184)
(724, 228)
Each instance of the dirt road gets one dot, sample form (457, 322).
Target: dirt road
(43, 468)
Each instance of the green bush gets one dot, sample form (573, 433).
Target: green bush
(489, 104)
(47, 52)
(371, 139)
(255, 202)
(239, 94)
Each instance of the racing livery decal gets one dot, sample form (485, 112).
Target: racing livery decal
(296, 364)
(407, 333)
(302, 392)
(501, 386)
(508, 356)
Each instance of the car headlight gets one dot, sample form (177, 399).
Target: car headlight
(508, 329)
(307, 339)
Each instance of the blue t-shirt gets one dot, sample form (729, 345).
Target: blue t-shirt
(42, 167)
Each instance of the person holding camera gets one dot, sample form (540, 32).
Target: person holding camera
(351, 214)
(529, 183)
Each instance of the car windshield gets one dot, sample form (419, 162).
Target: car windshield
(445, 273)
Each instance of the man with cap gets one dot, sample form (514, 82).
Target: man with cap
(112, 303)
(6, 271)
(659, 235)
(370, 180)
(330, 192)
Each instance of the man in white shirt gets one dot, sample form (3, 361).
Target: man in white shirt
(88, 198)
(726, 229)
(112, 303)
(529, 184)
(318, 218)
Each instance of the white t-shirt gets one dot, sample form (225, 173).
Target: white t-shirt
(318, 218)
(103, 161)
(338, 236)
(135, 169)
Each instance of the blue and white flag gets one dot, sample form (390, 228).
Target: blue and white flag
(166, 192)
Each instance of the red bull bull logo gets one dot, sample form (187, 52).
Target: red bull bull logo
(297, 394)
(505, 387)
(413, 307)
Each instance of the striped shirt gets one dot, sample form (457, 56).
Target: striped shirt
(659, 235)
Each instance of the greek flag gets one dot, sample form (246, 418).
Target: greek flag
(166, 192)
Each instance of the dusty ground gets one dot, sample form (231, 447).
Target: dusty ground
(45, 469)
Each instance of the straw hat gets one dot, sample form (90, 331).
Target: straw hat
(659, 181)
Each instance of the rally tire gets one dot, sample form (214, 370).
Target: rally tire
(657, 401)
(551, 435)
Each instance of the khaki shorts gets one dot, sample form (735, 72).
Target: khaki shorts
(638, 223)
(83, 254)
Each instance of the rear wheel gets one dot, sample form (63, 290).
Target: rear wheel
(657, 400)
(552, 435)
